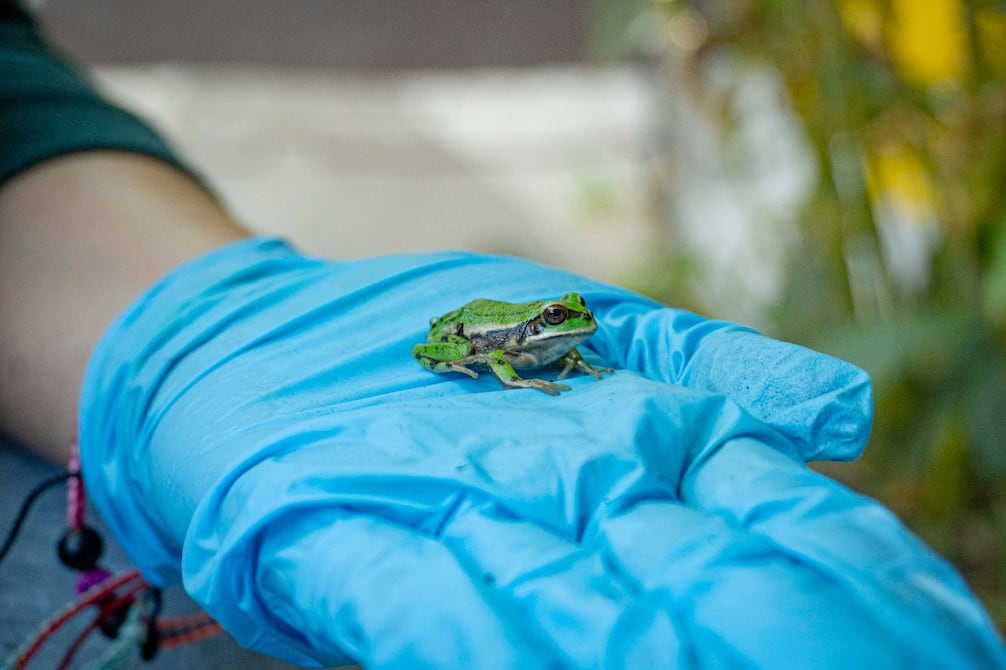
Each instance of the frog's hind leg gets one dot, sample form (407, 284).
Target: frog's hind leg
(447, 356)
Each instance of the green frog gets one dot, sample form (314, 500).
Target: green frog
(504, 337)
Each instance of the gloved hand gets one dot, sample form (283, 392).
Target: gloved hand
(256, 426)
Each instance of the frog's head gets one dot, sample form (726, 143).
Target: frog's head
(566, 318)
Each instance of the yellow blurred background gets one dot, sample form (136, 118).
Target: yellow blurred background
(896, 258)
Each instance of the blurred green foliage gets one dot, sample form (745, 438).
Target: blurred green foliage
(904, 106)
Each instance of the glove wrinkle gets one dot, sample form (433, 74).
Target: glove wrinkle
(852, 542)
(392, 602)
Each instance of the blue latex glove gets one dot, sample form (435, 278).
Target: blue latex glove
(256, 426)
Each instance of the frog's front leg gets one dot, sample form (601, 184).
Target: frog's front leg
(573, 359)
(447, 355)
(500, 366)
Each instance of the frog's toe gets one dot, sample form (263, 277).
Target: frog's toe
(588, 369)
(548, 387)
(463, 370)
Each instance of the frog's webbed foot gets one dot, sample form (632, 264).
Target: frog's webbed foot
(551, 388)
(573, 359)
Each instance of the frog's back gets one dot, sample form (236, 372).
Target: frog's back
(484, 311)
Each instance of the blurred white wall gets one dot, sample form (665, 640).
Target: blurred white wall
(546, 162)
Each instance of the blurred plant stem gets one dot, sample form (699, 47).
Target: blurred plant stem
(901, 260)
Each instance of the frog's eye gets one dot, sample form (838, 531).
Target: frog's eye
(554, 314)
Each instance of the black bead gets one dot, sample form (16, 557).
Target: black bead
(151, 643)
(80, 548)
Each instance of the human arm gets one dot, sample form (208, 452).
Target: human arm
(80, 237)
(94, 207)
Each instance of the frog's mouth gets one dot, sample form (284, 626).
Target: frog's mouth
(546, 350)
(531, 328)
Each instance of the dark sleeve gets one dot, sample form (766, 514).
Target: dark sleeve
(48, 109)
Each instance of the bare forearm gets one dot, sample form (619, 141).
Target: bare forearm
(80, 237)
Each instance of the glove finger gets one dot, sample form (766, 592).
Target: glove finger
(746, 601)
(848, 539)
(822, 404)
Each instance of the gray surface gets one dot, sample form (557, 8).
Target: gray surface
(348, 33)
(34, 584)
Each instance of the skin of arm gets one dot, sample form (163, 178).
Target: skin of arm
(81, 236)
